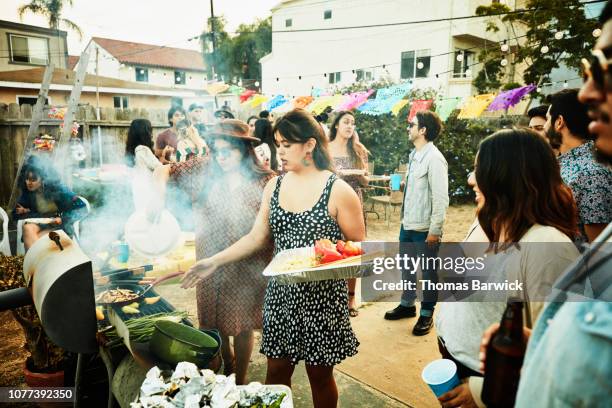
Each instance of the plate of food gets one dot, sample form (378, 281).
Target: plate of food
(325, 260)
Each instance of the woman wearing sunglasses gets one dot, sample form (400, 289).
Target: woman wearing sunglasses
(226, 189)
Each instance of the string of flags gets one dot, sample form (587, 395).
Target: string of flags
(386, 100)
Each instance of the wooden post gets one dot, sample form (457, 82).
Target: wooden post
(33, 130)
(61, 156)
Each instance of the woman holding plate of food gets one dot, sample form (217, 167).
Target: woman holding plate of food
(303, 321)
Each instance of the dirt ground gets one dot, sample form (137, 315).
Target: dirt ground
(395, 374)
(12, 354)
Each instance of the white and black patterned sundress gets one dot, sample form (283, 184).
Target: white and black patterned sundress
(306, 321)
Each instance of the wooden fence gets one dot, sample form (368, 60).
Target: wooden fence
(113, 126)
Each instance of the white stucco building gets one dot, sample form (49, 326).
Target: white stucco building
(317, 44)
(176, 68)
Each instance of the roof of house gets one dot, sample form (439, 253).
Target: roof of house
(31, 28)
(152, 55)
(73, 60)
(67, 77)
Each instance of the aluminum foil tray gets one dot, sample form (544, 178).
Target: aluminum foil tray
(354, 267)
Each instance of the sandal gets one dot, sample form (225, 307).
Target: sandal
(353, 312)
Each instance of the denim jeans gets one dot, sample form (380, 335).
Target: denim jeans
(418, 247)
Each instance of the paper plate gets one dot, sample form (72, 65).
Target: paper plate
(153, 239)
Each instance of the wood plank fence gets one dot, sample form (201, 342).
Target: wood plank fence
(113, 125)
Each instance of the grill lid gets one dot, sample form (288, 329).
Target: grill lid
(61, 283)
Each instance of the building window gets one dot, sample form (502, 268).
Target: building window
(120, 102)
(334, 77)
(289, 22)
(415, 64)
(176, 101)
(29, 50)
(179, 77)
(363, 75)
(29, 100)
(327, 15)
(142, 74)
(462, 63)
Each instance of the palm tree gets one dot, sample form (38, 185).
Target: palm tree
(52, 11)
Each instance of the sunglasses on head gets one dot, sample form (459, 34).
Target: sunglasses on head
(597, 69)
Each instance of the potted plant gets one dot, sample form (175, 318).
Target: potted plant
(45, 365)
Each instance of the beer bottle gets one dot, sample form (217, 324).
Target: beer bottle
(504, 358)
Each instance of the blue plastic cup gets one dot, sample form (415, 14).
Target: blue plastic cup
(123, 252)
(441, 376)
(396, 180)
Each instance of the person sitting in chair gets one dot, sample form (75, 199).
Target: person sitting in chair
(45, 202)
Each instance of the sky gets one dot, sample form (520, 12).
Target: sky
(158, 22)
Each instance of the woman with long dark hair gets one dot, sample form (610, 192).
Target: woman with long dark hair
(529, 218)
(520, 181)
(45, 202)
(304, 321)
(351, 161)
(266, 150)
(226, 191)
(139, 146)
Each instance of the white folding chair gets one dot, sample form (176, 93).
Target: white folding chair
(5, 246)
(75, 226)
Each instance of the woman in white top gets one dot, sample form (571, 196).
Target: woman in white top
(139, 155)
(528, 218)
(139, 146)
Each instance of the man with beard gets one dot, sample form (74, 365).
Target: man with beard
(567, 130)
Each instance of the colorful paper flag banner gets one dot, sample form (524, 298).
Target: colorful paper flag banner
(474, 106)
(236, 90)
(302, 101)
(354, 100)
(417, 106)
(398, 106)
(318, 104)
(510, 98)
(257, 100)
(386, 98)
(444, 107)
(277, 101)
(216, 88)
(246, 95)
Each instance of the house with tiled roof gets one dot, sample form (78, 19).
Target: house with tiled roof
(147, 64)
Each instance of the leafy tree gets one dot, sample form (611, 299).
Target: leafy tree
(52, 11)
(540, 26)
(237, 58)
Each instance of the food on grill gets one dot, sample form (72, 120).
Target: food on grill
(130, 310)
(141, 328)
(116, 295)
(99, 313)
(152, 300)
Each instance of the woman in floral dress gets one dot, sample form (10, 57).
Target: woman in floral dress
(304, 321)
(226, 191)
